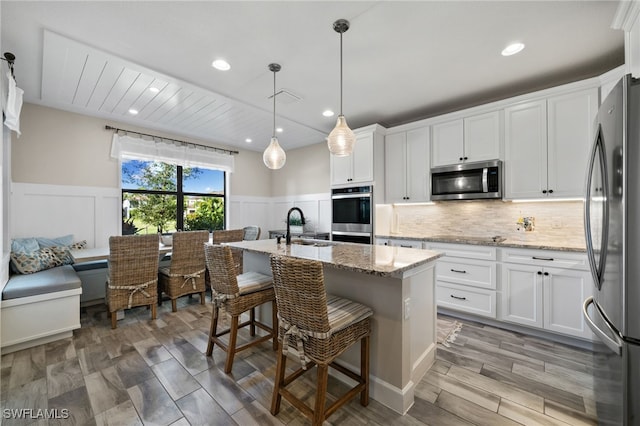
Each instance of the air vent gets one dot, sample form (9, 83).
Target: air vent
(286, 97)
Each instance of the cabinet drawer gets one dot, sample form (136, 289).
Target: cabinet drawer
(466, 251)
(473, 300)
(546, 258)
(476, 273)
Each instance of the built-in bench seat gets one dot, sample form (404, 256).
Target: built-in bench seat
(39, 308)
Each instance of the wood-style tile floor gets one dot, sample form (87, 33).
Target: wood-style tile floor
(156, 373)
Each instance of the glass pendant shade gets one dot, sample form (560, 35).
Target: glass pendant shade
(274, 156)
(341, 140)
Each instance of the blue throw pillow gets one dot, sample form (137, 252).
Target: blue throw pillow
(65, 240)
(24, 245)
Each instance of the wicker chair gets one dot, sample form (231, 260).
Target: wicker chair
(227, 235)
(251, 233)
(185, 275)
(319, 328)
(237, 294)
(133, 273)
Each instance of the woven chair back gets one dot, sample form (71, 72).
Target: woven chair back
(300, 293)
(222, 270)
(187, 253)
(227, 235)
(251, 233)
(133, 259)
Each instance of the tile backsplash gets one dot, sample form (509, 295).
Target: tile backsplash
(556, 223)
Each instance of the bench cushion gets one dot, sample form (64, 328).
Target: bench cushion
(48, 281)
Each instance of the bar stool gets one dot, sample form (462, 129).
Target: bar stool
(318, 328)
(133, 273)
(185, 275)
(237, 294)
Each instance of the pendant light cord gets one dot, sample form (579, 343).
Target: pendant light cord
(340, 73)
(274, 105)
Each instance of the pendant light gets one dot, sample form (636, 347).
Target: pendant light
(274, 156)
(341, 139)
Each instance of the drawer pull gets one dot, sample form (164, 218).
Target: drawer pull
(458, 297)
(542, 258)
(406, 246)
(458, 271)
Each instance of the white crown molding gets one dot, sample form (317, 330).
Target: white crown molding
(626, 15)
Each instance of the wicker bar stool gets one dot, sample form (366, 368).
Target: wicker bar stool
(237, 294)
(186, 273)
(319, 328)
(133, 273)
(251, 233)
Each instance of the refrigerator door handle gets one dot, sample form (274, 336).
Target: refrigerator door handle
(614, 344)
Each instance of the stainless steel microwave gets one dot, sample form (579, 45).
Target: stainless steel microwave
(467, 181)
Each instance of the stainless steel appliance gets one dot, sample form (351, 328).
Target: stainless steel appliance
(612, 230)
(467, 181)
(352, 216)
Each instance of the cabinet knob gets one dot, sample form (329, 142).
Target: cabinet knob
(551, 191)
(461, 158)
(539, 272)
(544, 191)
(546, 274)
(466, 158)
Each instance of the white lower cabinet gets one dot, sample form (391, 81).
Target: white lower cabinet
(466, 278)
(539, 294)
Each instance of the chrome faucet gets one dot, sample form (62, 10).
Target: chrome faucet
(288, 235)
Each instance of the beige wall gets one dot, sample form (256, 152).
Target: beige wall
(63, 148)
(305, 172)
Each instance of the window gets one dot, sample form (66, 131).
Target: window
(160, 197)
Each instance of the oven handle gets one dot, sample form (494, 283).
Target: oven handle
(356, 234)
(358, 195)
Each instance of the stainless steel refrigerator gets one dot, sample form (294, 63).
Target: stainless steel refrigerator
(612, 230)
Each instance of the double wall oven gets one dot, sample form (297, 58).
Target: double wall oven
(352, 214)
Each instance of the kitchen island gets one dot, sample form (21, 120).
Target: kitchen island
(396, 282)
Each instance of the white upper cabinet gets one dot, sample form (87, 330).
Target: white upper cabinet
(357, 167)
(447, 146)
(407, 166)
(525, 150)
(570, 132)
(469, 139)
(547, 145)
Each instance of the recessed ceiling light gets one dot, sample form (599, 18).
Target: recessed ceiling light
(133, 111)
(279, 129)
(154, 89)
(248, 140)
(328, 113)
(221, 64)
(512, 49)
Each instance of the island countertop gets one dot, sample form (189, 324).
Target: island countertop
(370, 259)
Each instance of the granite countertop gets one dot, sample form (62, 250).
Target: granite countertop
(365, 258)
(537, 244)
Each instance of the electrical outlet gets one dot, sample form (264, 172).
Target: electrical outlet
(407, 308)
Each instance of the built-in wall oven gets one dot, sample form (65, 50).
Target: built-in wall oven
(352, 215)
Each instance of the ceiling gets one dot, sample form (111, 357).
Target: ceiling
(403, 61)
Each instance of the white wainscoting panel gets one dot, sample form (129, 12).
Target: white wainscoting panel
(246, 211)
(89, 213)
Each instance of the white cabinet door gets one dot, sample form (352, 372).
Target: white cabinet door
(564, 292)
(570, 135)
(482, 136)
(526, 150)
(357, 167)
(522, 295)
(447, 143)
(363, 159)
(417, 161)
(394, 167)
(340, 169)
